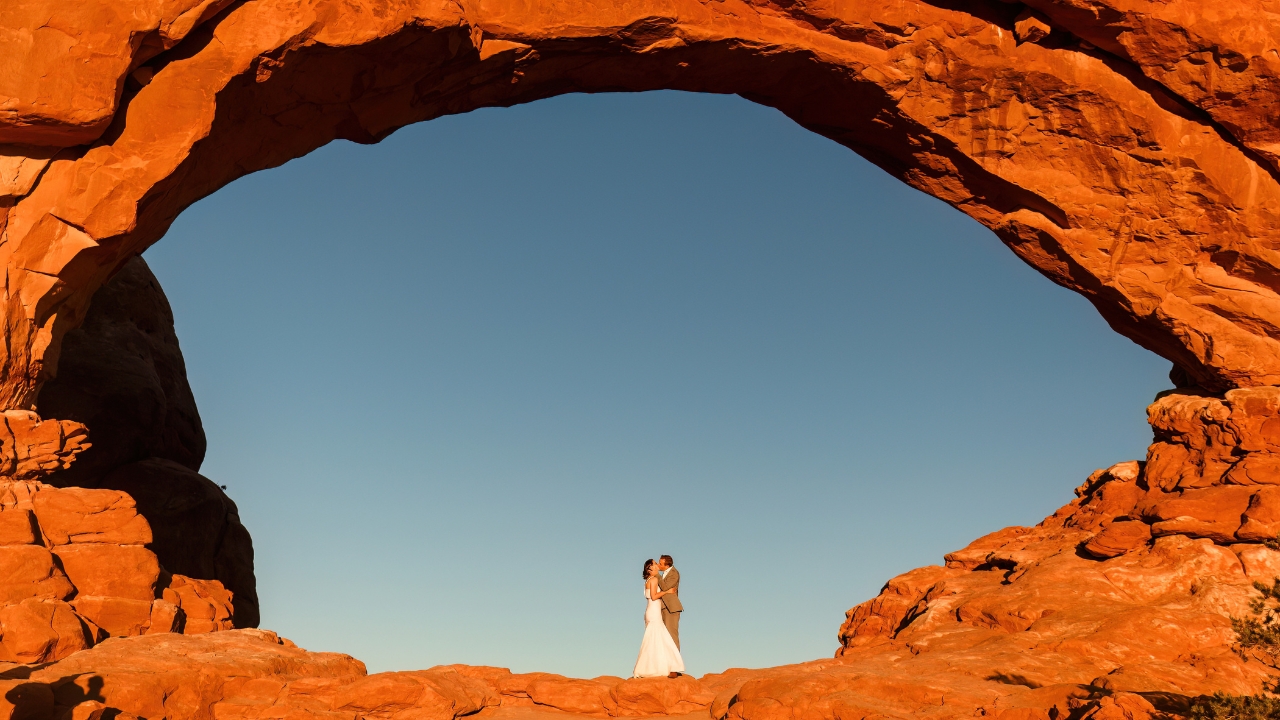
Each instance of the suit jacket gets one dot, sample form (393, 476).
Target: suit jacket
(671, 580)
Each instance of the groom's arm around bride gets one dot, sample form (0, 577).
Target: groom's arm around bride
(671, 607)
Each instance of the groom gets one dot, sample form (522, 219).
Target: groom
(669, 579)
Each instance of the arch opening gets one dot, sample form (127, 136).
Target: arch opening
(693, 290)
(1135, 171)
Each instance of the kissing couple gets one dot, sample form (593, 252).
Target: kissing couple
(660, 647)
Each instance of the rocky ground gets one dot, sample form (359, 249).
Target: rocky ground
(1126, 149)
(123, 573)
(1117, 606)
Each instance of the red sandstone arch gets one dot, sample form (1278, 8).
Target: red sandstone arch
(1126, 149)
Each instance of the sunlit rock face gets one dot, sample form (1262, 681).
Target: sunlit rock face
(1126, 149)
(78, 569)
(1116, 607)
(122, 374)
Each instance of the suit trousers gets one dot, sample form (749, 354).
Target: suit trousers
(672, 621)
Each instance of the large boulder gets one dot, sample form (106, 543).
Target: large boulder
(196, 526)
(75, 570)
(122, 375)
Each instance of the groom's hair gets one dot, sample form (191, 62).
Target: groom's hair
(670, 562)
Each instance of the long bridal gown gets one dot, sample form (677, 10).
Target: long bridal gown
(659, 655)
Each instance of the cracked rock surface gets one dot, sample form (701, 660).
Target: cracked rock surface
(1127, 149)
(1124, 148)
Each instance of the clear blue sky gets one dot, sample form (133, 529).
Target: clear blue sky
(463, 382)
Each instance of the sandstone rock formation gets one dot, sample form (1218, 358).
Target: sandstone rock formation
(256, 674)
(195, 527)
(81, 562)
(76, 570)
(1127, 149)
(1101, 611)
(1128, 153)
(31, 448)
(122, 376)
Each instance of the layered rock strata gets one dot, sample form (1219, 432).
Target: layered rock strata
(76, 570)
(125, 538)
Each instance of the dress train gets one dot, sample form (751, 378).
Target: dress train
(659, 655)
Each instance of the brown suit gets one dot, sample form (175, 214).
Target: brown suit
(671, 607)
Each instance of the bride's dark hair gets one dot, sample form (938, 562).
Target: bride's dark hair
(648, 565)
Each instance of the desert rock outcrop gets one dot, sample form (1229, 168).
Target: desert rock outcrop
(257, 674)
(122, 376)
(1127, 150)
(76, 570)
(1028, 623)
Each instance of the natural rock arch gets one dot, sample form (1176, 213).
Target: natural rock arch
(1125, 151)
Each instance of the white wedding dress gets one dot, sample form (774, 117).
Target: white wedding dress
(659, 655)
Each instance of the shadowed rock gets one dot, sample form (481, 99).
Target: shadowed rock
(122, 375)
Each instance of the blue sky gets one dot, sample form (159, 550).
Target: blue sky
(463, 382)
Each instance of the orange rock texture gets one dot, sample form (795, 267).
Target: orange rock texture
(75, 570)
(1127, 149)
(256, 674)
(1102, 611)
(122, 375)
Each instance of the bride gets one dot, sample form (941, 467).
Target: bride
(659, 655)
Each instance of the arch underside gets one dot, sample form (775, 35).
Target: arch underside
(1126, 154)
(1127, 149)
